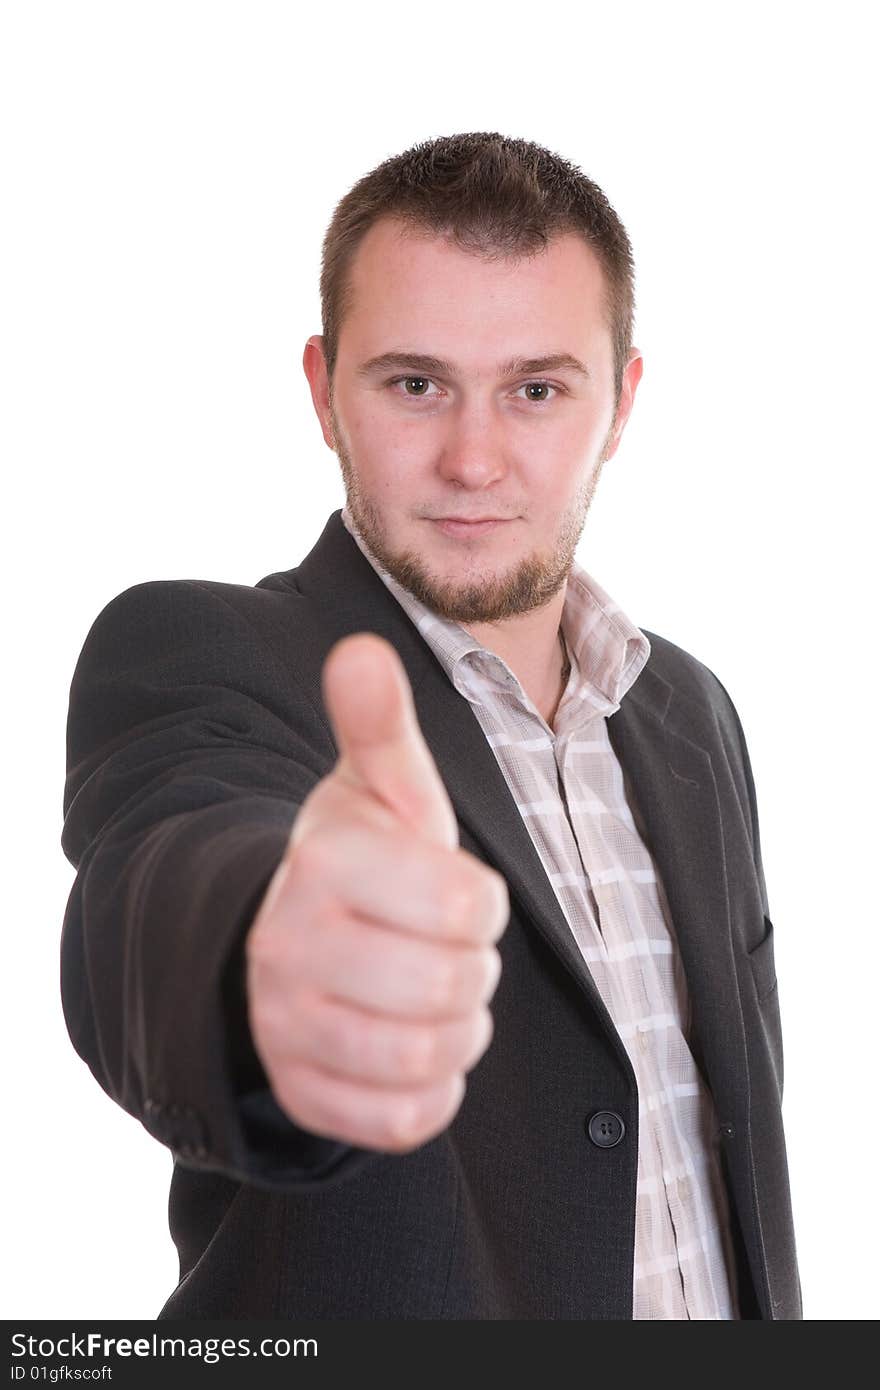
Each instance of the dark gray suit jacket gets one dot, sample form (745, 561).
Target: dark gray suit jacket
(196, 728)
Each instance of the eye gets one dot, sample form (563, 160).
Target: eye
(542, 386)
(419, 381)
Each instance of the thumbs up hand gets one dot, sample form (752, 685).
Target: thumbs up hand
(371, 959)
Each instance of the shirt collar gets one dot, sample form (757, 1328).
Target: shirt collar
(606, 649)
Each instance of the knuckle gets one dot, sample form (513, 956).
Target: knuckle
(490, 889)
(480, 1038)
(457, 902)
(477, 900)
(494, 904)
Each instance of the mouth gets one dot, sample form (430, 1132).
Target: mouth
(456, 526)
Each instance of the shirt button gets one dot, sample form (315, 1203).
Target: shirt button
(643, 1039)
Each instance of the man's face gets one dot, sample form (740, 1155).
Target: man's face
(418, 442)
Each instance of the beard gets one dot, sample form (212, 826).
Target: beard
(529, 583)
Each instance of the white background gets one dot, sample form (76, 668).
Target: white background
(168, 171)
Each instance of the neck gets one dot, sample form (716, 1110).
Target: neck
(531, 644)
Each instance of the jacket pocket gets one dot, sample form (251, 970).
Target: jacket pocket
(763, 963)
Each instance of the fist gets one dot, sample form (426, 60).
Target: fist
(371, 960)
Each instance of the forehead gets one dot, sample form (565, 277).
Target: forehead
(415, 287)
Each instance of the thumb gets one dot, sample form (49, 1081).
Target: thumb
(381, 747)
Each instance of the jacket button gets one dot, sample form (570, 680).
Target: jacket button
(606, 1128)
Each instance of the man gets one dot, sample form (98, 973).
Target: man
(420, 907)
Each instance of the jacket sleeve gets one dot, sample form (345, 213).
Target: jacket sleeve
(189, 752)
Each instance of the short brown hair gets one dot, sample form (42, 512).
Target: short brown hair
(492, 195)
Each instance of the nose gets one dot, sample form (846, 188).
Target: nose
(472, 451)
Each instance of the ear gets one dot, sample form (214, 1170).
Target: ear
(315, 368)
(632, 375)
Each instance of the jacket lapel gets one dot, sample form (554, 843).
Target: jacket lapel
(662, 740)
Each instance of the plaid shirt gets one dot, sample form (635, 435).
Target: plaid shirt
(591, 845)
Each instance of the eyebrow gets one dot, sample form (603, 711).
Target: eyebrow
(516, 366)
